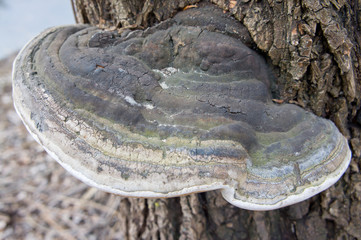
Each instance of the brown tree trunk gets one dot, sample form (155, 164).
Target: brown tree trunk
(313, 48)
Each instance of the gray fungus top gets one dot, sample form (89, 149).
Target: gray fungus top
(172, 110)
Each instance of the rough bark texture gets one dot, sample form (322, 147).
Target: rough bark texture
(314, 50)
(128, 14)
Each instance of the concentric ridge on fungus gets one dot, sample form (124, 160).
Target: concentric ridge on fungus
(172, 110)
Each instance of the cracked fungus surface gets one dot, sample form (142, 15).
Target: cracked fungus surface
(169, 111)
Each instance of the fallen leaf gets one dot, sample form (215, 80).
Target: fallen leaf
(189, 6)
(279, 101)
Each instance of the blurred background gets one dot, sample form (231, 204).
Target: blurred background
(23, 19)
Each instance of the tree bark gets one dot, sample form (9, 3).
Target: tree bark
(313, 48)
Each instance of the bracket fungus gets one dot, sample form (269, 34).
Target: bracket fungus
(172, 110)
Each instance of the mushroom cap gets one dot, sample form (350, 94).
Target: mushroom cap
(172, 110)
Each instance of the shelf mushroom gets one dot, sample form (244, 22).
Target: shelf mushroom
(172, 110)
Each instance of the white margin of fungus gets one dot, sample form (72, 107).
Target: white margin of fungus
(228, 192)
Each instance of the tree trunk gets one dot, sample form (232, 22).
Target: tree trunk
(313, 48)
